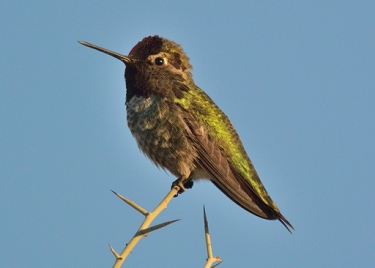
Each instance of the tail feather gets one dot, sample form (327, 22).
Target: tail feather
(286, 223)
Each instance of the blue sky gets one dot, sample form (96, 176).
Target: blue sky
(295, 78)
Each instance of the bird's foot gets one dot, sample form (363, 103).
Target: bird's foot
(189, 184)
(182, 184)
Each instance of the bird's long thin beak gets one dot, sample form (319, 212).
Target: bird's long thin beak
(123, 58)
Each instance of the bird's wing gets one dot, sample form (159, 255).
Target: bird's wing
(224, 176)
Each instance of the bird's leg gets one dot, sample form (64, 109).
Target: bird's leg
(183, 183)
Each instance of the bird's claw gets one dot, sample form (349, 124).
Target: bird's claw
(182, 186)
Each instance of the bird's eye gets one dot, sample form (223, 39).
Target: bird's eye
(159, 61)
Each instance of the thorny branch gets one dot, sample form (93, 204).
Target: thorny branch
(144, 229)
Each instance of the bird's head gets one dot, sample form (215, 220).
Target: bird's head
(154, 66)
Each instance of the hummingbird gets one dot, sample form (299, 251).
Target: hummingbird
(181, 129)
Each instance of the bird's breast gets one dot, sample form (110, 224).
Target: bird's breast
(160, 134)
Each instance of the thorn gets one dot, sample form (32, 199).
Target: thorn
(155, 227)
(207, 235)
(132, 204)
(118, 257)
(205, 217)
(205, 221)
(111, 190)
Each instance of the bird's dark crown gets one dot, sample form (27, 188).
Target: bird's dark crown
(153, 45)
